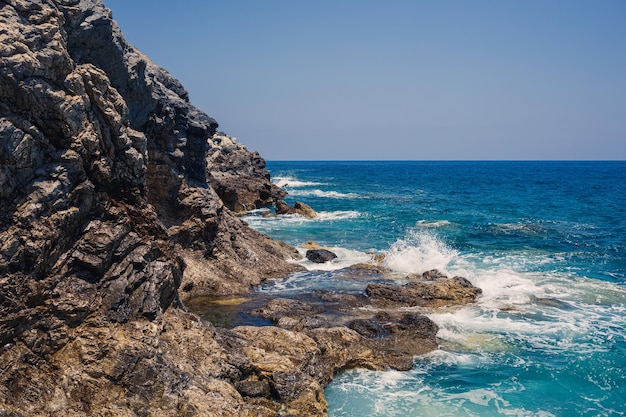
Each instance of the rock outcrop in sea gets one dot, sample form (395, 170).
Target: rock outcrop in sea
(117, 204)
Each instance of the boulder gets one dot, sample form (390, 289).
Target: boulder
(320, 256)
(304, 210)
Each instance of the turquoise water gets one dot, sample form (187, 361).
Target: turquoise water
(546, 241)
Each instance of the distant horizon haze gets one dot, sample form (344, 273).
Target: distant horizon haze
(399, 80)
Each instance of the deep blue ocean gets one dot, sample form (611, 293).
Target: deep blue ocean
(546, 241)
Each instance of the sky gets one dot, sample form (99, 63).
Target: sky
(398, 79)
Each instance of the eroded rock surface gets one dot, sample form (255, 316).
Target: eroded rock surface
(117, 201)
(298, 207)
(104, 199)
(238, 176)
(428, 290)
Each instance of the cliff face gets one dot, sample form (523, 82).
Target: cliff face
(104, 198)
(116, 203)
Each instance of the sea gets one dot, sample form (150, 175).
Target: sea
(546, 242)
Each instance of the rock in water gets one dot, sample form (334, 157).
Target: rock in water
(300, 208)
(320, 256)
(440, 292)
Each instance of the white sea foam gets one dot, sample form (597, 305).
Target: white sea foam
(338, 215)
(293, 220)
(419, 251)
(405, 394)
(433, 224)
(345, 258)
(291, 182)
(321, 193)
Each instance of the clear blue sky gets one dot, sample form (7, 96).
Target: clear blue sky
(348, 79)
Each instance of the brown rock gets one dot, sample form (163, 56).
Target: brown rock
(299, 208)
(441, 292)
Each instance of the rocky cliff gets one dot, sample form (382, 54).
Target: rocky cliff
(117, 201)
(104, 201)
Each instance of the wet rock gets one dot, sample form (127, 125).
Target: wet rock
(300, 208)
(284, 307)
(320, 256)
(442, 291)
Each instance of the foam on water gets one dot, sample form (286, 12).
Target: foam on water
(546, 338)
(530, 334)
(321, 193)
(433, 224)
(267, 224)
(345, 258)
(407, 394)
(289, 182)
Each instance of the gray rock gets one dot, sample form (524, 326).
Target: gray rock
(320, 255)
(253, 388)
(104, 197)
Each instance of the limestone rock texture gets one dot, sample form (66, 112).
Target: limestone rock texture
(106, 210)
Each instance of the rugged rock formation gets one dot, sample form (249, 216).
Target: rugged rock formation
(299, 207)
(103, 201)
(116, 203)
(432, 289)
(238, 176)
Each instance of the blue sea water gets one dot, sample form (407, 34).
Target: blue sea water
(546, 241)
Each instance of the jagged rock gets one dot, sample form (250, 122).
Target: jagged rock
(443, 291)
(239, 177)
(300, 208)
(103, 197)
(320, 256)
(346, 338)
(254, 388)
(116, 192)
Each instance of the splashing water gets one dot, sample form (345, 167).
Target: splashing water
(419, 251)
(544, 241)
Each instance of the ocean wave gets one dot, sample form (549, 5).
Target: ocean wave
(338, 215)
(409, 394)
(433, 224)
(255, 220)
(321, 193)
(289, 182)
(419, 251)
